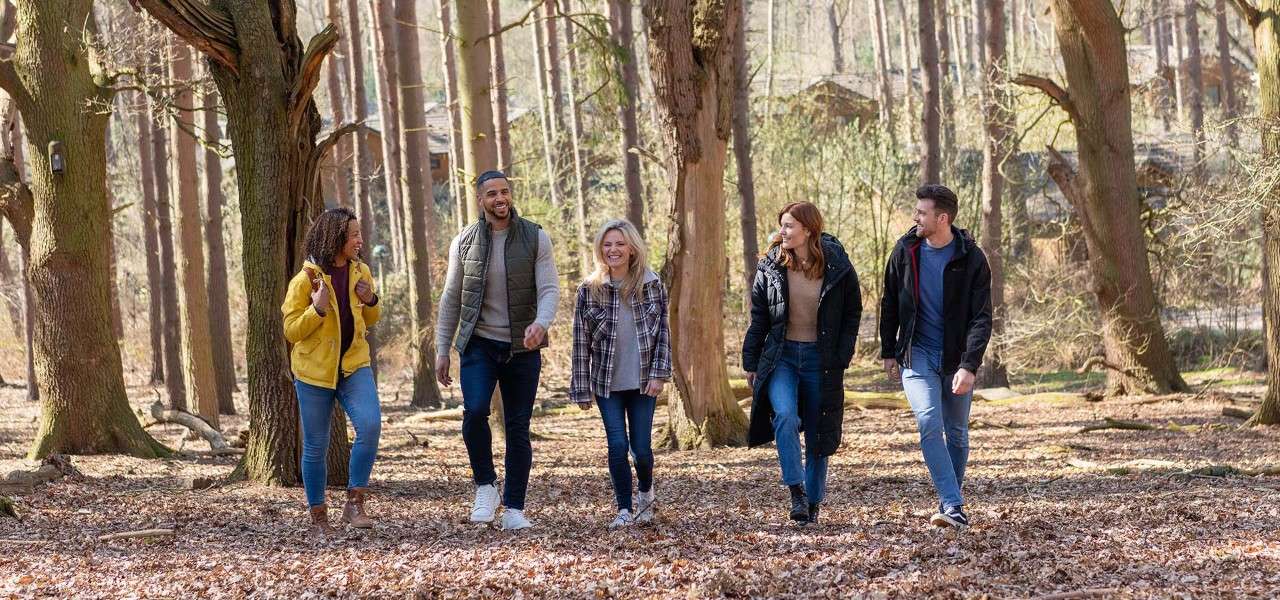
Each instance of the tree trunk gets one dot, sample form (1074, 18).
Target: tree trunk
(1091, 38)
(1179, 87)
(1162, 61)
(575, 138)
(837, 47)
(876, 8)
(174, 376)
(197, 351)
(946, 85)
(931, 158)
(770, 43)
(999, 120)
(1264, 20)
(742, 158)
(361, 159)
(551, 54)
(419, 201)
(980, 28)
(1195, 77)
(62, 222)
(224, 364)
(544, 114)
(478, 148)
(1227, 99)
(151, 242)
(465, 211)
(908, 68)
(694, 83)
(387, 82)
(341, 168)
(499, 86)
(623, 37)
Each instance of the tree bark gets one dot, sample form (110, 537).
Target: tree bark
(151, 242)
(876, 8)
(575, 138)
(544, 115)
(908, 68)
(837, 47)
(174, 376)
(694, 84)
(224, 364)
(999, 121)
(361, 159)
(1091, 38)
(62, 222)
(946, 85)
(742, 159)
(478, 148)
(1179, 87)
(1195, 76)
(419, 201)
(551, 54)
(387, 82)
(1264, 21)
(499, 86)
(623, 37)
(1227, 99)
(197, 351)
(1158, 26)
(931, 158)
(341, 168)
(465, 211)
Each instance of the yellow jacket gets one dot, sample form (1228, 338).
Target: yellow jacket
(317, 340)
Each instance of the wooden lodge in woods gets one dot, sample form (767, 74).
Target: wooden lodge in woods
(438, 144)
(1157, 84)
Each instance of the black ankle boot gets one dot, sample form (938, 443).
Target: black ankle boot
(799, 504)
(813, 513)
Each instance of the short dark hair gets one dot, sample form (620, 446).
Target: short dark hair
(944, 200)
(487, 175)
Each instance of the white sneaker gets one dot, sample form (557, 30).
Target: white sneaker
(485, 505)
(622, 520)
(645, 502)
(513, 518)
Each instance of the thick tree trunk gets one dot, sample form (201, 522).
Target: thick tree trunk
(151, 244)
(197, 351)
(419, 203)
(361, 159)
(908, 69)
(1195, 77)
(742, 158)
(464, 210)
(575, 138)
(1091, 38)
(62, 221)
(1264, 20)
(499, 86)
(999, 122)
(1227, 97)
(694, 82)
(387, 82)
(623, 37)
(339, 158)
(946, 88)
(876, 8)
(174, 375)
(931, 157)
(219, 297)
(837, 47)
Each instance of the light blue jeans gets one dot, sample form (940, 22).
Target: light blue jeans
(943, 420)
(794, 392)
(358, 395)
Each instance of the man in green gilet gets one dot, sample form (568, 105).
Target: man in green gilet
(500, 298)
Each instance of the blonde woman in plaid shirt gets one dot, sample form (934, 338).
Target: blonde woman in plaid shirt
(622, 359)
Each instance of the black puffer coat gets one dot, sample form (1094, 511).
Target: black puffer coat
(839, 312)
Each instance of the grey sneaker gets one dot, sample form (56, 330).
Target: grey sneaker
(645, 504)
(622, 520)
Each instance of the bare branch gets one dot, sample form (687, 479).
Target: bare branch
(9, 81)
(331, 140)
(208, 30)
(1249, 12)
(1051, 89)
(16, 202)
(318, 48)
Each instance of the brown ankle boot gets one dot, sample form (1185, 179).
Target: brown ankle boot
(353, 511)
(320, 527)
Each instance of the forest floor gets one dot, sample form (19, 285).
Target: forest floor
(1112, 513)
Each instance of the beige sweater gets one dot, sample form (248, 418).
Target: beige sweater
(802, 307)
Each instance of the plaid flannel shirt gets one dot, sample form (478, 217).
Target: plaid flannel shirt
(595, 337)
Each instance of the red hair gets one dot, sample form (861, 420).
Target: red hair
(810, 218)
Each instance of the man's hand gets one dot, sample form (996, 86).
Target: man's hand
(655, 387)
(533, 336)
(442, 370)
(962, 383)
(320, 297)
(751, 379)
(364, 291)
(585, 405)
(891, 368)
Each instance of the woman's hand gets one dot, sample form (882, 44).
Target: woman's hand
(364, 291)
(751, 379)
(320, 297)
(655, 387)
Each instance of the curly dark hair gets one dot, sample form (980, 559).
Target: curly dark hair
(328, 234)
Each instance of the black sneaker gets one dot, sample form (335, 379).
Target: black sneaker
(951, 516)
(813, 513)
(799, 504)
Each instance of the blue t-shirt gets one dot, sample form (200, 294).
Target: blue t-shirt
(929, 311)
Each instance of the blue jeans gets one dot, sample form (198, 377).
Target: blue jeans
(939, 414)
(616, 411)
(486, 363)
(358, 396)
(795, 393)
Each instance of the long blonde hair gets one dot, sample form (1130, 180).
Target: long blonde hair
(637, 266)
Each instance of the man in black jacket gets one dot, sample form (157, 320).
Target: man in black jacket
(935, 322)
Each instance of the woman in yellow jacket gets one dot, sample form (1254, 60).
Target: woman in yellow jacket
(327, 312)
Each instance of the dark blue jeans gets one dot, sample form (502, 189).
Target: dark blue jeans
(617, 411)
(795, 393)
(358, 395)
(487, 363)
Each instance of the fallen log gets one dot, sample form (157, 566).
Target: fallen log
(192, 422)
(1109, 423)
(141, 533)
(1236, 413)
(1089, 593)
